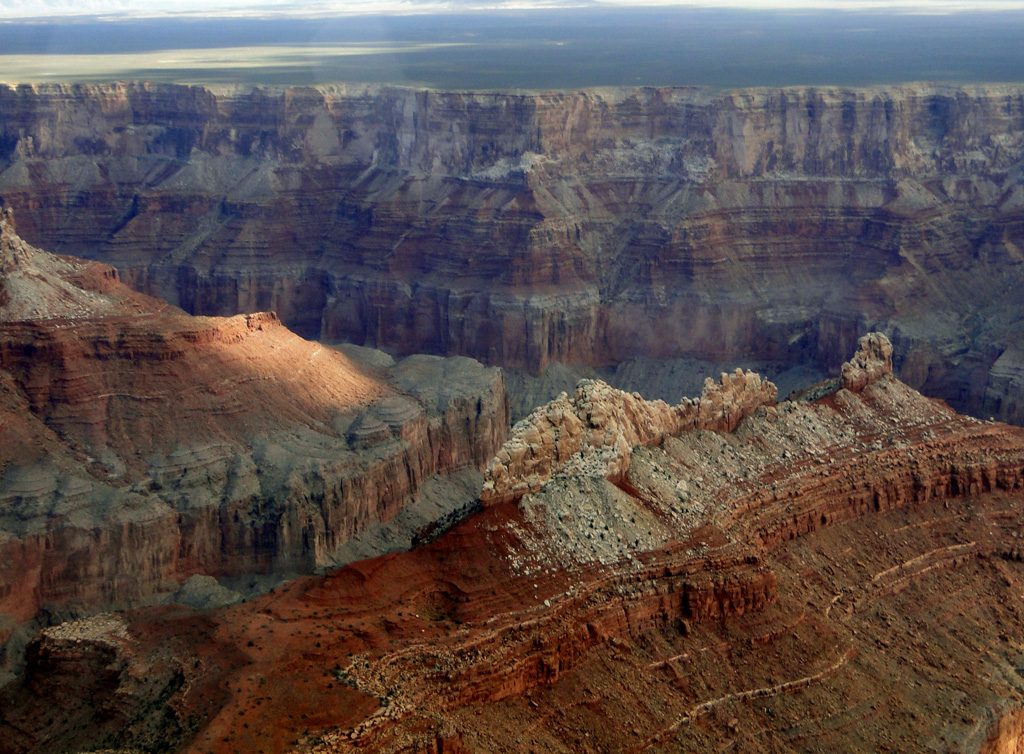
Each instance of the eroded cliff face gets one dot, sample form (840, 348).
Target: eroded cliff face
(829, 574)
(143, 445)
(588, 227)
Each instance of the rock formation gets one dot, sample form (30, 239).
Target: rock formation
(595, 432)
(523, 229)
(838, 574)
(872, 361)
(143, 445)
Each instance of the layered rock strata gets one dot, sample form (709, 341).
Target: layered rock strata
(581, 227)
(835, 574)
(143, 445)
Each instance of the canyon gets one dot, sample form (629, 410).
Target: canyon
(530, 230)
(260, 489)
(834, 571)
(144, 447)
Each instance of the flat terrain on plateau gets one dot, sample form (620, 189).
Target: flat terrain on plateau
(533, 50)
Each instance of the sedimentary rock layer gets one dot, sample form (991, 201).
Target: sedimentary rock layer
(837, 574)
(143, 445)
(589, 227)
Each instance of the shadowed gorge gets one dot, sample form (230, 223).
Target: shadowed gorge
(584, 227)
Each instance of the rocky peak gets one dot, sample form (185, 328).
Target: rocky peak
(13, 251)
(594, 432)
(871, 362)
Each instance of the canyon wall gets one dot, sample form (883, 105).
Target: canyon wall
(528, 228)
(143, 445)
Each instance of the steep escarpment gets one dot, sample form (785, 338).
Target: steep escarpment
(589, 227)
(143, 445)
(818, 574)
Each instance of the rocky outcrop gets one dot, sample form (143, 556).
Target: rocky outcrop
(582, 227)
(144, 446)
(594, 433)
(1004, 388)
(829, 573)
(872, 361)
(1006, 735)
(96, 677)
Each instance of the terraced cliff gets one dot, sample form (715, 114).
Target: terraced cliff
(831, 574)
(588, 227)
(143, 446)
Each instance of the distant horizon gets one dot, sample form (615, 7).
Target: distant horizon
(529, 50)
(114, 10)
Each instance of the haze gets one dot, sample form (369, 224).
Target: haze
(523, 49)
(45, 8)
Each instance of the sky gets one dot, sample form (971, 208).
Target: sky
(68, 8)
